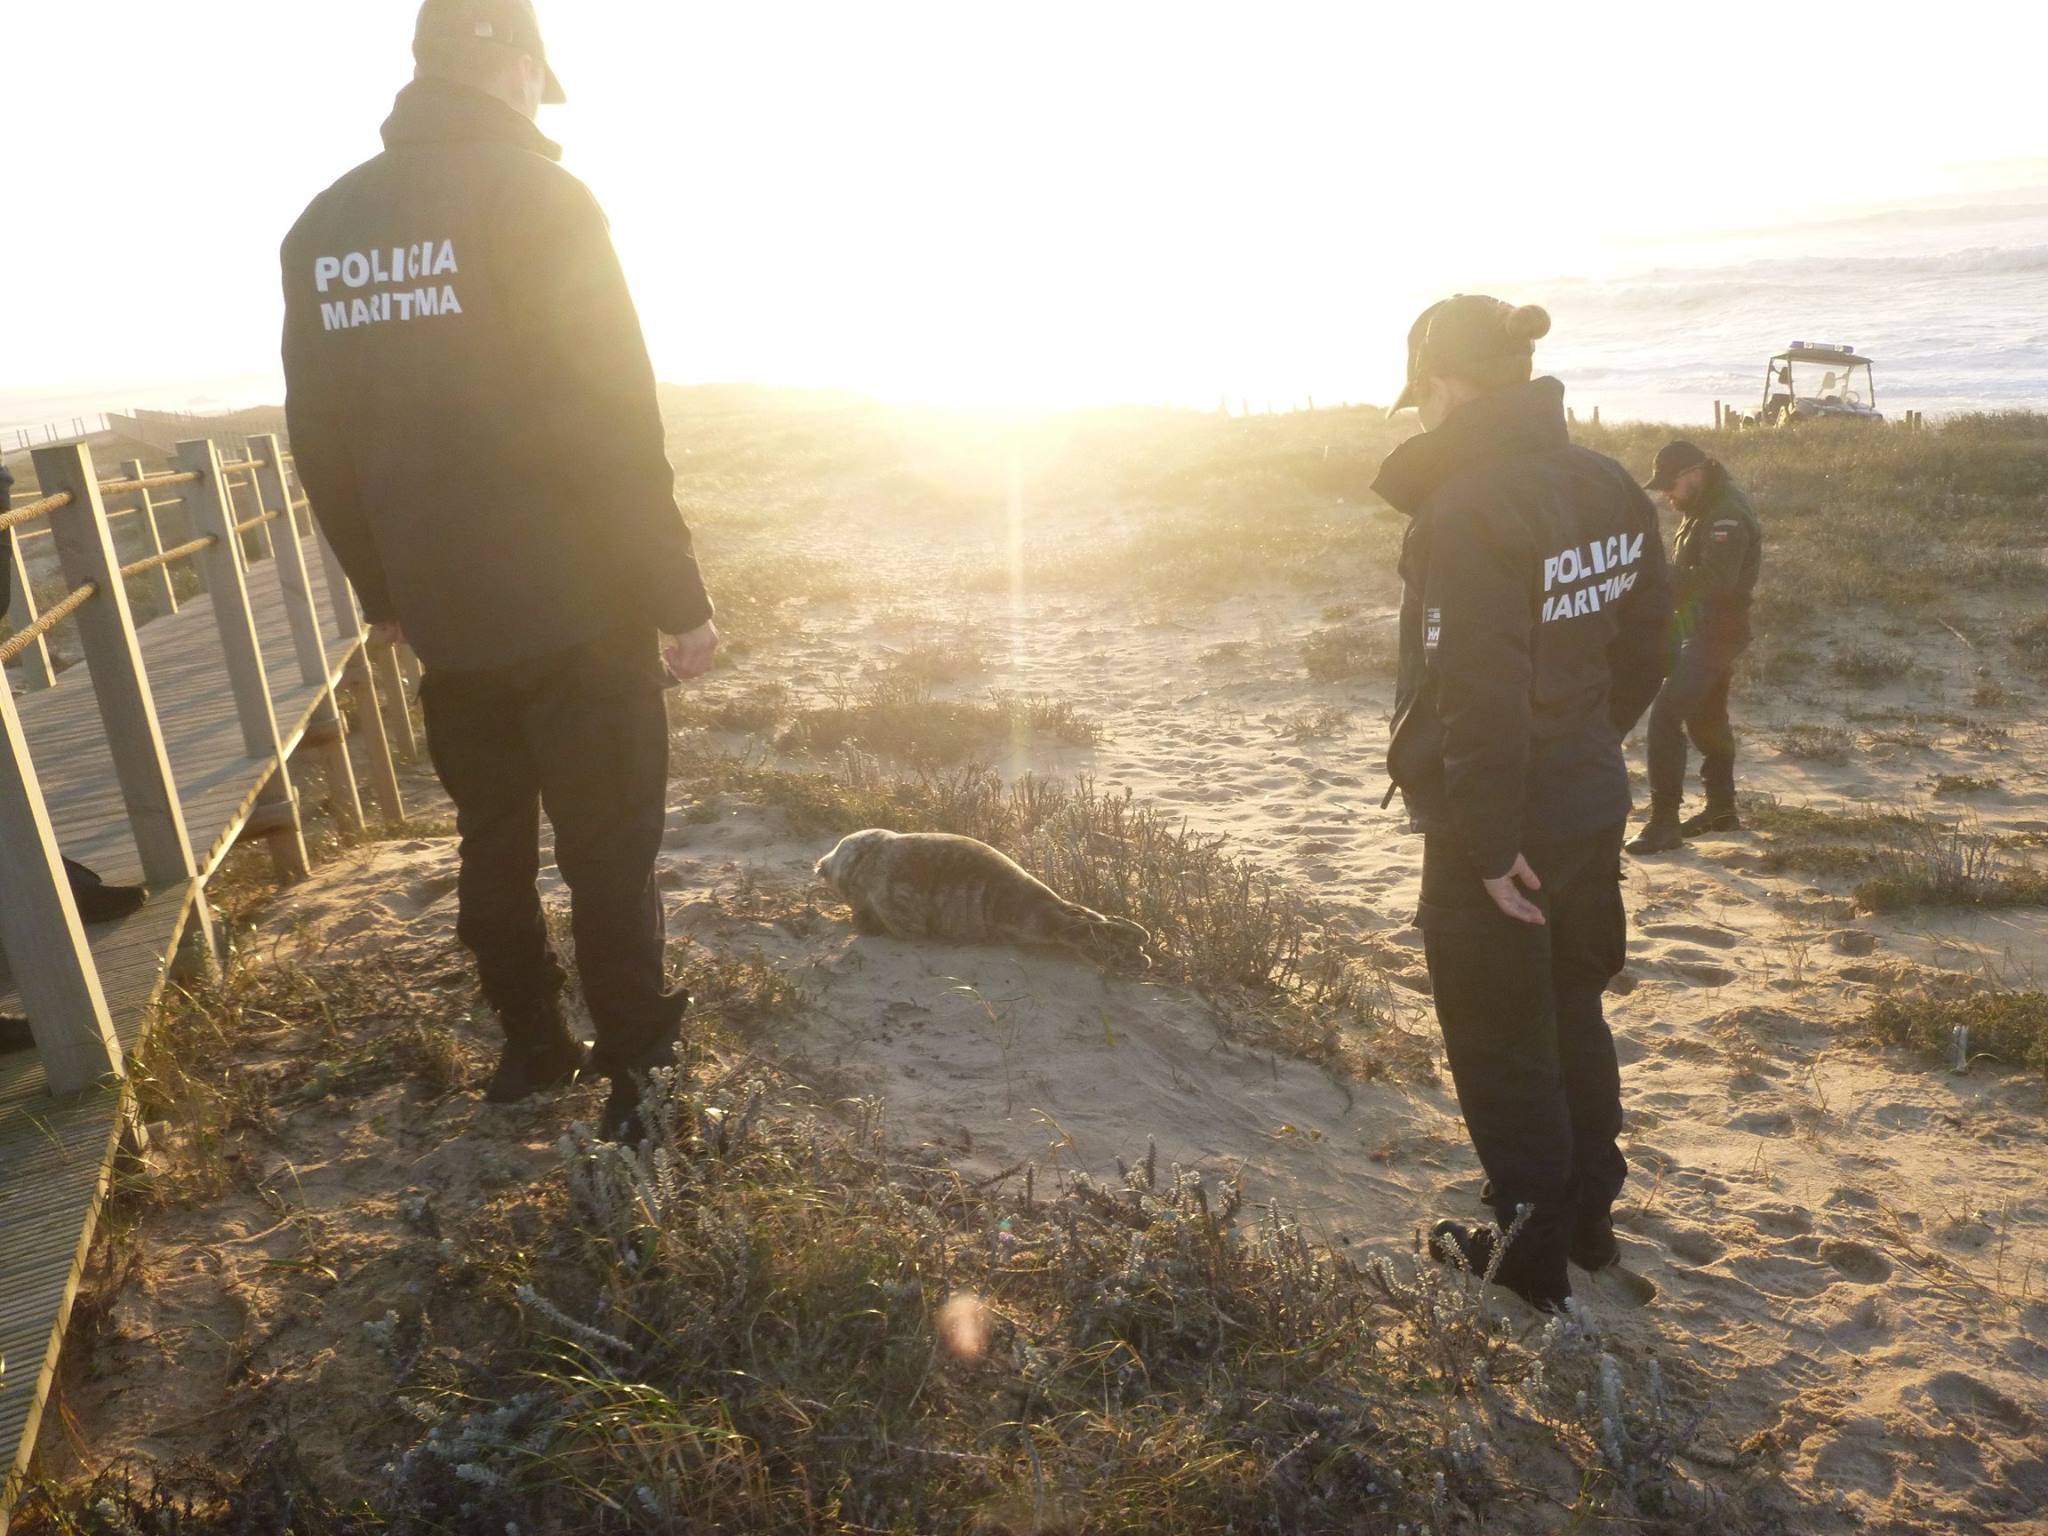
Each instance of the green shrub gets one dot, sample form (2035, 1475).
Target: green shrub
(2010, 1027)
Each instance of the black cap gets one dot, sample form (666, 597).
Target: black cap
(1467, 329)
(1673, 460)
(510, 22)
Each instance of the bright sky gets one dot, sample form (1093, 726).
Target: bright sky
(981, 201)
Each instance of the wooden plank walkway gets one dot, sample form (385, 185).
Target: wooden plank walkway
(56, 1155)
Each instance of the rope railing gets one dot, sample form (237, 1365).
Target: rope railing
(239, 465)
(44, 533)
(151, 562)
(34, 510)
(46, 621)
(256, 522)
(147, 483)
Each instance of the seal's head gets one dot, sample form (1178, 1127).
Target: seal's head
(841, 862)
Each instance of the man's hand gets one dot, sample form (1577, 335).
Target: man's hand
(389, 632)
(690, 655)
(1510, 899)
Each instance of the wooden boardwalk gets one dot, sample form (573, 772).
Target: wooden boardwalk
(57, 1153)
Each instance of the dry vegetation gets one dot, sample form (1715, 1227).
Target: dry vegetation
(768, 1321)
(1900, 859)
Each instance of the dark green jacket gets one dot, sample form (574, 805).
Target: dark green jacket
(1714, 566)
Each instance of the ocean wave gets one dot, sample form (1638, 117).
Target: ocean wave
(1662, 282)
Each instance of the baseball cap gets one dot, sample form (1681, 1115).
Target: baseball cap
(510, 22)
(1673, 460)
(1468, 329)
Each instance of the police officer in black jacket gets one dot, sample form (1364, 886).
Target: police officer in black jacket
(1532, 639)
(473, 414)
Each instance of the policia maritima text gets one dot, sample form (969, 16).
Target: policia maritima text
(474, 419)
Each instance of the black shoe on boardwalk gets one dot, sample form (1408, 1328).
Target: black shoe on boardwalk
(1712, 819)
(98, 902)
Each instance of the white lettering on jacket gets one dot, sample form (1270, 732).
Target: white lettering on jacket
(385, 269)
(1592, 576)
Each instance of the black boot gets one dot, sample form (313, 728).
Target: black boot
(621, 1121)
(1593, 1246)
(540, 1053)
(1532, 1267)
(98, 902)
(1715, 818)
(1661, 833)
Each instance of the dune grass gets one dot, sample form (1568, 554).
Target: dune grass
(1899, 859)
(902, 719)
(1346, 653)
(2010, 1028)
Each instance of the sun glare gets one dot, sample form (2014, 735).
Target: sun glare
(1013, 207)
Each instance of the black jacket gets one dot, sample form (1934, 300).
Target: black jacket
(1533, 626)
(470, 401)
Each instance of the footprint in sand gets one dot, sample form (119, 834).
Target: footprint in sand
(1694, 1245)
(1623, 1287)
(1789, 1279)
(1781, 1220)
(1969, 1404)
(1866, 1322)
(1857, 1261)
(1699, 973)
(1694, 933)
(1762, 1122)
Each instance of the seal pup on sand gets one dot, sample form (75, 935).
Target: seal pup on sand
(934, 885)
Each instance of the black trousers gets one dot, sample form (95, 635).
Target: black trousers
(1694, 702)
(1530, 1050)
(584, 735)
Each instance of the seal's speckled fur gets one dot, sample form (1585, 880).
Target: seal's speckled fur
(933, 885)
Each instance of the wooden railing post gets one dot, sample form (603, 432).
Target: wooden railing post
(206, 499)
(145, 508)
(291, 563)
(36, 671)
(106, 633)
(397, 706)
(258, 545)
(383, 774)
(329, 732)
(39, 928)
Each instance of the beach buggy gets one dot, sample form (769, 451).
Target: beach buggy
(1818, 382)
